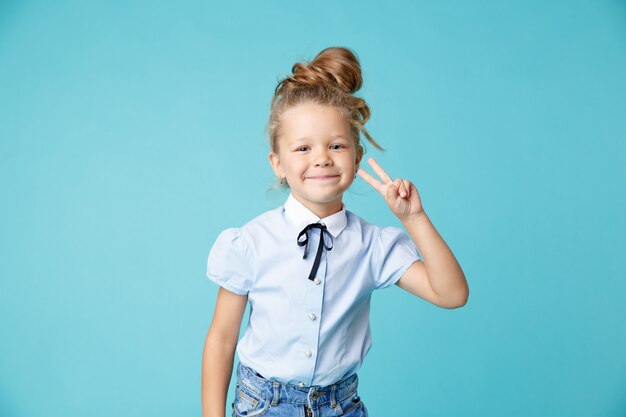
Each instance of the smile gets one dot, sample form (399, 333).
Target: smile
(324, 178)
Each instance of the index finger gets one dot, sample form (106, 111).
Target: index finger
(377, 185)
(379, 170)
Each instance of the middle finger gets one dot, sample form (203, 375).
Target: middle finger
(380, 171)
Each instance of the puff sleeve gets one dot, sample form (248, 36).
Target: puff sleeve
(392, 254)
(229, 263)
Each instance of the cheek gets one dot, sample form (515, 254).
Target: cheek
(351, 160)
(294, 166)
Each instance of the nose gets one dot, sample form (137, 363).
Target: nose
(322, 159)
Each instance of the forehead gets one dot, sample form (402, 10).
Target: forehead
(313, 120)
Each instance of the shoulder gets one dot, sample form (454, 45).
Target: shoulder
(356, 222)
(241, 240)
(247, 234)
(269, 219)
(378, 235)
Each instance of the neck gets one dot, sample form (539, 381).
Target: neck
(322, 210)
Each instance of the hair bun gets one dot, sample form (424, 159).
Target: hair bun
(330, 79)
(336, 66)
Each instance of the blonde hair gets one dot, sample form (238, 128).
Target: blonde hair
(330, 79)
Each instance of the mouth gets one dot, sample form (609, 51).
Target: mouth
(323, 177)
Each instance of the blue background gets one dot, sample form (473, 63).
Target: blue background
(132, 133)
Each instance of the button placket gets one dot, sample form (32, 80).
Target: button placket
(313, 307)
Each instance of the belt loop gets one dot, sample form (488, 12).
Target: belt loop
(276, 385)
(333, 399)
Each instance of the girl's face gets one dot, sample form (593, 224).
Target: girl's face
(317, 156)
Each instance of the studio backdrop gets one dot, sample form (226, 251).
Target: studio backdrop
(132, 133)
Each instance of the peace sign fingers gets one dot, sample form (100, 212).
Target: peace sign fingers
(381, 187)
(401, 195)
(377, 185)
(379, 171)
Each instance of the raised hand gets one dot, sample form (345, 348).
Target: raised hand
(401, 195)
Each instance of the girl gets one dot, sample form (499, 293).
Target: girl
(308, 267)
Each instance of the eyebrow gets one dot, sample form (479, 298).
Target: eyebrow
(339, 136)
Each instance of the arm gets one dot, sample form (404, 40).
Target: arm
(219, 351)
(439, 278)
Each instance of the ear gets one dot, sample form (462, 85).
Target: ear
(275, 164)
(359, 157)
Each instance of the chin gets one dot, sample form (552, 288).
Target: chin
(323, 198)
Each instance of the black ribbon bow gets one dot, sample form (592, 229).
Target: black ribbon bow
(322, 245)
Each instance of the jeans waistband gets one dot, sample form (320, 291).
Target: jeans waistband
(278, 392)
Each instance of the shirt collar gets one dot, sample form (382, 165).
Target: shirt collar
(301, 216)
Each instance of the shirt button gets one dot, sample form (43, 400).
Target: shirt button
(308, 353)
(317, 280)
(312, 316)
(301, 384)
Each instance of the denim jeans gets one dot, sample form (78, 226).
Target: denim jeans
(257, 396)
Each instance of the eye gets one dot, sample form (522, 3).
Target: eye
(336, 146)
(302, 148)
